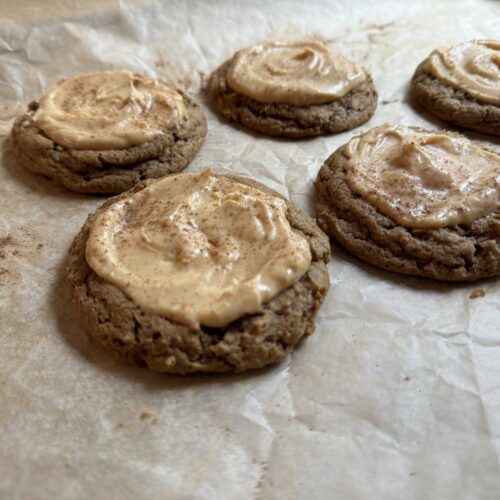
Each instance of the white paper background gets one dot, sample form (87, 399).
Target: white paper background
(395, 396)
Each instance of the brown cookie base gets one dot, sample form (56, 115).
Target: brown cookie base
(286, 120)
(453, 105)
(142, 338)
(109, 171)
(457, 253)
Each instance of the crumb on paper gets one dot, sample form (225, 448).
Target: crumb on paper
(192, 81)
(119, 426)
(381, 27)
(145, 415)
(5, 243)
(407, 379)
(161, 62)
(326, 41)
(8, 277)
(384, 102)
(376, 31)
(477, 293)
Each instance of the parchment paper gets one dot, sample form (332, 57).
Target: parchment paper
(395, 396)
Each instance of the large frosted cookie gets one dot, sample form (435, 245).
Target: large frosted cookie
(461, 85)
(104, 132)
(197, 272)
(415, 202)
(292, 89)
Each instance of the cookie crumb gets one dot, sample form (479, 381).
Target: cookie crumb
(477, 293)
(320, 38)
(5, 242)
(381, 27)
(119, 426)
(145, 415)
(407, 379)
(162, 63)
(39, 246)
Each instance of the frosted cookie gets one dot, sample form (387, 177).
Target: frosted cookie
(415, 202)
(104, 132)
(461, 85)
(292, 89)
(196, 272)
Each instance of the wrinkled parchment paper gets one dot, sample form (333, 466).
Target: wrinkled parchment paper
(397, 395)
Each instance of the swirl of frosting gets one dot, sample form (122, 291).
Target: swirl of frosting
(198, 249)
(300, 73)
(107, 110)
(471, 66)
(423, 179)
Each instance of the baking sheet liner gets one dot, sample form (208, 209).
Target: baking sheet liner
(395, 396)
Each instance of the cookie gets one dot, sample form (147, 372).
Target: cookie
(138, 335)
(292, 89)
(461, 85)
(147, 140)
(414, 202)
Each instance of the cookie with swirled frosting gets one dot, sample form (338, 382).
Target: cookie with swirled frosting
(292, 89)
(414, 201)
(199, 272)
(103, 132)
(461, 84)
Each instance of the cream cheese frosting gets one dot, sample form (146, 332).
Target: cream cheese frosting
(198, 248)
(108, 110)
(423, 179)
(472, 66)
(300, 73)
